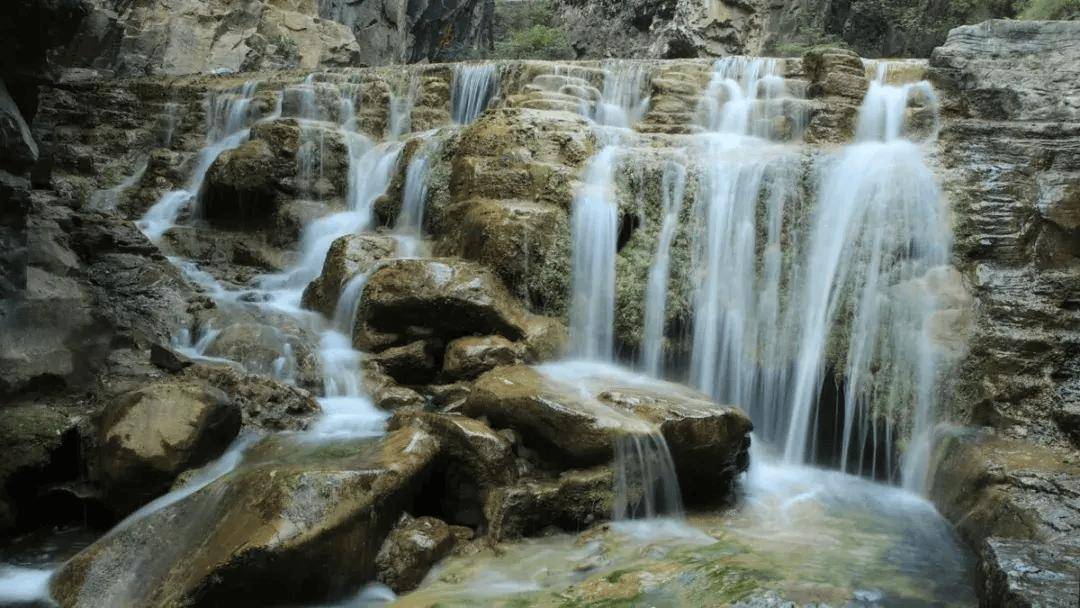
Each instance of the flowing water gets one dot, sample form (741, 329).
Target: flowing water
(782, 279)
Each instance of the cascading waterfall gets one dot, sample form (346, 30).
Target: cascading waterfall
(472, 89)
(880, 227)
(228, 115)
(595, 219)
(673, 188)
(409, 227)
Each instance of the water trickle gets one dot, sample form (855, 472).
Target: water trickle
(473, 87)
(409, 227)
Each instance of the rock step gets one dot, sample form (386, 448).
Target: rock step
(554, 82)
(548, 104)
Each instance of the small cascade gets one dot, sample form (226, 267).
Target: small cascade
(646, 485)
(472, 88)
(409, 227)
(228, 118)
(170, 120)
(595, 225)
(673, 188)
(109, 198)
(624, 99)
(737, 100)
(401, 106)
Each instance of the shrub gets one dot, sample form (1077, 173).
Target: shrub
(537, 42)
(1049, 9)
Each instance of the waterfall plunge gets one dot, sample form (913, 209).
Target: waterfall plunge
(472, 88)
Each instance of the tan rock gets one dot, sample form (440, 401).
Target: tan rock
(470, 356)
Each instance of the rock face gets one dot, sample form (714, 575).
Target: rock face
(697, 28)
(151, 435)
(186, 38)
(1023, 573)
(407, 32)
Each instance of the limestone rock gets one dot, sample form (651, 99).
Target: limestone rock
(266, 349)
(444, 298)
(412, 363)
(470, 356)
(349, 256)
(709, 442)
(411, 549)
(199, 36)
(18, 147)
(151, 435)
(486, 454)
(266, 404)
(296, 503)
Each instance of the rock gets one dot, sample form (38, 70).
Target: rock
(576, 420)
(33, 438)
(409, 32)
(410, 550)
(295, 503)
(266, 349)
(17, 145)
(349, 256)
(1026, 573)
(200, 36)
(168, 359)
(468, 357)
(486, 454)
(444, 298)
(266, 404)
(151, 435)
(575, 500)
(409, 364)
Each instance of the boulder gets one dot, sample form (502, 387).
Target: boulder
(412, 363)
(443, 298)
(575, 416)
(468, 357)
(251, 537)
(348, 256)
(266, 349)
(411, 549)
(152, 434)
(266, 404)
(572, 501)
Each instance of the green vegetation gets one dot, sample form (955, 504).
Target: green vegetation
(1048, 9)
(537, 42)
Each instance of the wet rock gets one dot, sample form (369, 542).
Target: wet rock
(412, 363)
(266, 404)
(151, 435)
(168, 359)
(573, 501)
(838, 81)
(1025, 573)
(469, 442)
(296, 503)
(349, 256)
(411, 549)
(578, 424)
(470, 356)
(442, 298)
(266, 349)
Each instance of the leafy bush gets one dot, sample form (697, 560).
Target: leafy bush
(1049, 9)
(537, 42)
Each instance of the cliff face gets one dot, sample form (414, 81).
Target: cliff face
(703, 28)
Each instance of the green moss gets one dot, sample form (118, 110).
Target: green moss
(1049, 9)
(537, 42)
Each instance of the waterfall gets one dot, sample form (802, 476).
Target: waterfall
(472, 89)
(409, 227)
(880, 227)
(228, 115)
(646, 485)
(399, 121)
(672, 187)
(594, 225)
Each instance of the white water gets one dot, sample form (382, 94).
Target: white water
(472, 88)
(228, 116)
(409, 227)
(672, 188)
(24, 585)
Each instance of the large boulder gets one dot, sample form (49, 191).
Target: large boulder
(576, 417)
(349, 256)
(444, 298)
(252, 536)
(151, 435)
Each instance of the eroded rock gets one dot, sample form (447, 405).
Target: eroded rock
(411, 549)
(470, 356)
(349, 256)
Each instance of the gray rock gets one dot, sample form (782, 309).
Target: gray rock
(17, 145)
(1020, 573)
